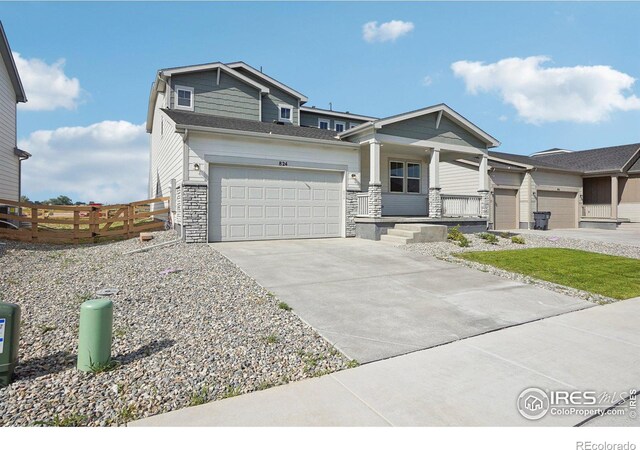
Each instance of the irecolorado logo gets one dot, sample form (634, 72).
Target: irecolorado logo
(534, 403)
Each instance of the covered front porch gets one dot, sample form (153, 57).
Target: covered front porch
(403, 176)
(602, 201)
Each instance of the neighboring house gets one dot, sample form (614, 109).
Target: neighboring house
(250, 162)
(597, 188)
(11, 93)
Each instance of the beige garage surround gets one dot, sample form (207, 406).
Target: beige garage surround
(256, 203)
(562, 205)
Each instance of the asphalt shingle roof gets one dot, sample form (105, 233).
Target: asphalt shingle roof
(594, 160)
(522, 159)
(210, 121)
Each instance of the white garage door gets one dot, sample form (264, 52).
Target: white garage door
(248, 203)
(562, 206)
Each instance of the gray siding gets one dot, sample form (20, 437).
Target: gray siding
(424, 127)
(9, 163)
(231, 98)
(311, 120)
(270, 102)
(458, 179)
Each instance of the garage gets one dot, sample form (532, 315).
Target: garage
(562, 206)
(256, 203)
(505, 213)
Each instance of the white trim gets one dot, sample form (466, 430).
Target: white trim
(327, 112)
(189, 89)
(267, 78)
(429, 144)
(224, 68)
(328, 121)
(286, 106)
(336, 122)
(253, 134)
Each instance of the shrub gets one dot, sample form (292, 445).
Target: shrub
(490, 238)
(504, 235)
(463, 242)
(518, 240)
(455, 234)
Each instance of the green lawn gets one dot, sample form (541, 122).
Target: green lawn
(612, 276)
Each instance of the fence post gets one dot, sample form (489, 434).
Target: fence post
(76, 227)
(34, 224)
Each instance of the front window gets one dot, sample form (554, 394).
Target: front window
(323, 124)
(396, 176)
(404, 177)
(184, 98)
(339, 127)
(285, 113)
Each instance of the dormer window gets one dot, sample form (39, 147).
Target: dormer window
(324, 124)
(339, 126)
(184, 98)
(286, 113)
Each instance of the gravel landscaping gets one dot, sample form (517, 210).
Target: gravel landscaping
(446, 250)
(189, 327)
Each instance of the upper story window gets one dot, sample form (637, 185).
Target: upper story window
(404, 177)
(339, 126)
(285, 113)
(324, 124)
(184, 98)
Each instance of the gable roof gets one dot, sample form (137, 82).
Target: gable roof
(604, 159)
(213, 66)
(7, 57)
(242, 65)
(440, 108)
(192, 119)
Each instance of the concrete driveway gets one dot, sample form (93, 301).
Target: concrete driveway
(620, 237)
(374, 301)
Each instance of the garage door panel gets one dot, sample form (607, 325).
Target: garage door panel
(258, 203)
(562, 206)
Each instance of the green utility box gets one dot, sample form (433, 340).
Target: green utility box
(9, 339)
(94, 340)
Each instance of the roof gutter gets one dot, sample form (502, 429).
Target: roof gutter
(196, 128)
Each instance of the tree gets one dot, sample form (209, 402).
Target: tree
(24, 199)
(60, 200)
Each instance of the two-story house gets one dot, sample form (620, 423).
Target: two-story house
(247, 160)
(11, 93)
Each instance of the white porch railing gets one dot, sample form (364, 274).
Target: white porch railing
(363, 204)
(460, 205)
(602, 211)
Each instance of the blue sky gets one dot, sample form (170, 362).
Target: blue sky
(112, 50)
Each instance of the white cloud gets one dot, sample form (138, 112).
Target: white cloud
(427, 81)
(388, 31)
(46, 85)
(106, 162)
(503, 118)
(583, 94)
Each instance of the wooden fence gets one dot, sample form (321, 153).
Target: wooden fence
(80, 224)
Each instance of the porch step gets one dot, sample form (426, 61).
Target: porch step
(396, 239)
(408, 233)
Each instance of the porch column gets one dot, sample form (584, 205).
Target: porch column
(435, 198)
(483, 187)
(375, 185)
(614, 197)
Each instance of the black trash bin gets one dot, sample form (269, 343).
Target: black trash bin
(541, 220)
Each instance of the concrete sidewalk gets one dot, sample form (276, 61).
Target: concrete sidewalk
(473, 382)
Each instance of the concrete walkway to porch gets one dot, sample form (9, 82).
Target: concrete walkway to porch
(374, 301)
(473, 382)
